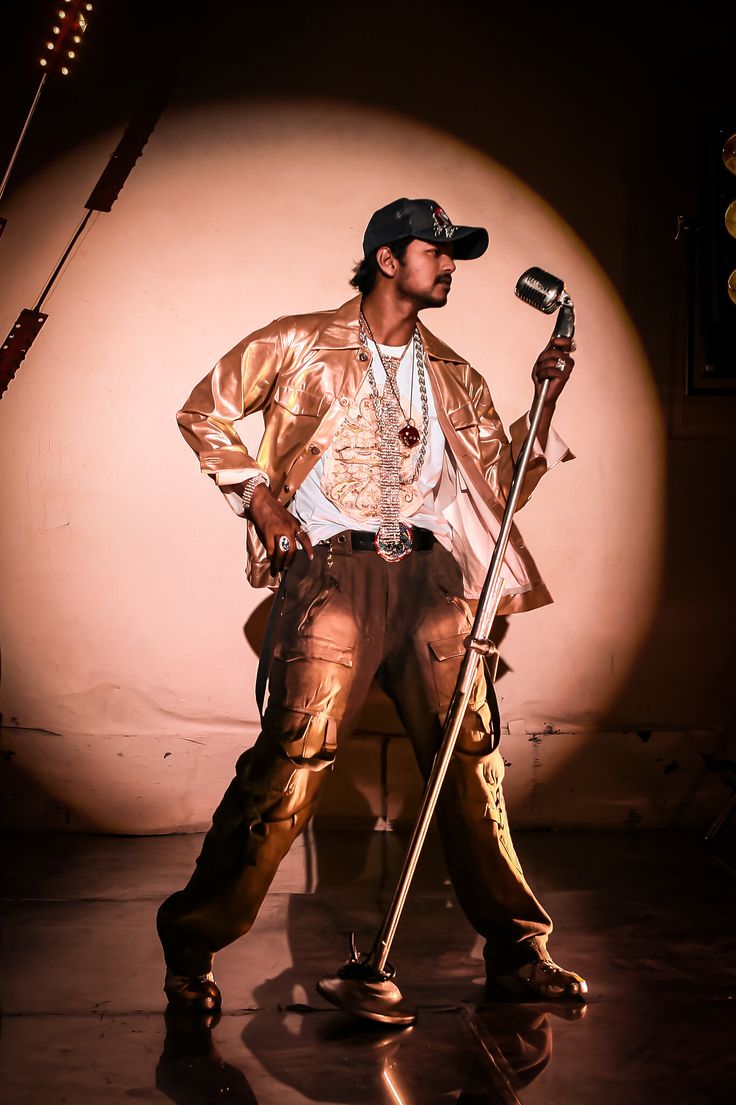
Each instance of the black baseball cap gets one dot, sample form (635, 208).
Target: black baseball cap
(426, 220)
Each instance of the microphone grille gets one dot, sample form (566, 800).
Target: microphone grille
(540, 290)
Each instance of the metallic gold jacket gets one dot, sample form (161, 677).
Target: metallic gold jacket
(302, 372)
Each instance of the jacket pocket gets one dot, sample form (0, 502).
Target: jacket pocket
(299, 401)
(463, 417)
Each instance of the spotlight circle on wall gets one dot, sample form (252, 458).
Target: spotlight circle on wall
(124, 600)
(730, 218)
(732, 286)
(729, 154)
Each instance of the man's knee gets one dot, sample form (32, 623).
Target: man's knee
(293, 737)
(281, 775)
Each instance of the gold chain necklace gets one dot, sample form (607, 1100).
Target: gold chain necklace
(408, 433)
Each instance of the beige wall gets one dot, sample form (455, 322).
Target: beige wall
(126, 624)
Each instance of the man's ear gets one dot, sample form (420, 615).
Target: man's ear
(386, 262)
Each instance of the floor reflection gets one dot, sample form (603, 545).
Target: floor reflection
(481, 1056)
(645, 916)
(191, 1070)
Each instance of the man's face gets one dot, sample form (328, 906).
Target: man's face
(424, 274)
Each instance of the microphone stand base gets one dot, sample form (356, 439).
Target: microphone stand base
(365, 991)
(380, 1001)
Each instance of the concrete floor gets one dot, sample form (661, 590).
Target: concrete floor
(646, 917)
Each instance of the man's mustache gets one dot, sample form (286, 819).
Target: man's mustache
(444, 280)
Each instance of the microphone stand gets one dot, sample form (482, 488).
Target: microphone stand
(364, 986)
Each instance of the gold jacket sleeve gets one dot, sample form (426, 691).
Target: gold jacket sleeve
(240, 384)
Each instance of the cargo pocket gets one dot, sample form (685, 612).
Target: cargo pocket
(478, 787)
(311, 674)
(446, 654)
(306, 740)
(312, 647)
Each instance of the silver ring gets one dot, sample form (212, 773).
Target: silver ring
(560, 363)
(284, 544)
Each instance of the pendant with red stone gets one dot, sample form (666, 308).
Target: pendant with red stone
(409, 435)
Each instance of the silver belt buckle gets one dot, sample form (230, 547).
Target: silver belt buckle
(392, 550)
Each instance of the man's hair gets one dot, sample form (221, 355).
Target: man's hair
(366, 271)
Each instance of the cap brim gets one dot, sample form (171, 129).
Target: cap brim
(468, 242)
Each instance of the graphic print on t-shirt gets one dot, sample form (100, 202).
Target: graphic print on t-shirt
(351, 477)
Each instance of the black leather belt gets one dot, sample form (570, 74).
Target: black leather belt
(363, 541)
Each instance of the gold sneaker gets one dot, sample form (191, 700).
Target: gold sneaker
(199, 994)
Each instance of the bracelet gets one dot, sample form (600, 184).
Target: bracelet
(249, 487)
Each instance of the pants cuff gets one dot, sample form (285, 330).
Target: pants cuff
(184, 953)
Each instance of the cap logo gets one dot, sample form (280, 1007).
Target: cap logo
(442, 225)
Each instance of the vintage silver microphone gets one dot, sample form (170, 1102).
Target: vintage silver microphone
(547, 293)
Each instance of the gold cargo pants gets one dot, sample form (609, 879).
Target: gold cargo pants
(347, 617)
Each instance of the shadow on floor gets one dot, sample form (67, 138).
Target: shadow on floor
(647, 917)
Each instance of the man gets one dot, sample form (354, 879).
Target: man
(376, 496)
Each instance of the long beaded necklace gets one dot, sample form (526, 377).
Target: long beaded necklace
(393, 539)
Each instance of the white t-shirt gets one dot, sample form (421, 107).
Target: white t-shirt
(343, 490)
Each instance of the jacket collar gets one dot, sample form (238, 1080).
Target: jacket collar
(342, 332)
